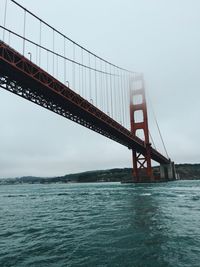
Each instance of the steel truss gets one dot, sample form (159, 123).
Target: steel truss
(22, 77)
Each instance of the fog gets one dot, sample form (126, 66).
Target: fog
(157, 37)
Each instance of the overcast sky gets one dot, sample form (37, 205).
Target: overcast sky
(157, 37)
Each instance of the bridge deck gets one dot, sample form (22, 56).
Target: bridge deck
(22, 77)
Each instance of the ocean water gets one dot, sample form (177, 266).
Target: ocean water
(101, 224)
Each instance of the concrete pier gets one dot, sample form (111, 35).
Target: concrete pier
(167, 172)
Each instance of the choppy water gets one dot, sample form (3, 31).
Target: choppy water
(100, 225)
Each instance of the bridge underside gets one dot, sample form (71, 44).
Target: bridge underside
(23, 78)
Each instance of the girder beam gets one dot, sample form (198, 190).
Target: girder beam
(23, 78)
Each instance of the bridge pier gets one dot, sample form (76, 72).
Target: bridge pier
(146, 175)
(167, 172)
(142, 169)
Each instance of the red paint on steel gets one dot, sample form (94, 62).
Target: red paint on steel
(142, 170)
(22, 77)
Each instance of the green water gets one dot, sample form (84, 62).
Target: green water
(105, 224)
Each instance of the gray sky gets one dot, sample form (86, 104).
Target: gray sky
(157, 37)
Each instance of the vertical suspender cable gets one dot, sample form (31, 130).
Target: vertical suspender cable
(5, 16)
(73, 67)
(106, 91)
(158, 128)
(129, 78)
(65, 61)
(125, 101)
(36, 47)
(24, 32)
(9, 38)
(152, 140)
(53, 50)
(122, 98)
(57, 66)
(82, 72)
(47, 61)
(111, 93)
(95, 73)
(115, 92)
(79, 79)
(85, 74)
(103, 86)
(118, 96)
(100, 85)
(90, 81)
(161, 136)
(40, 42)
(124, 92)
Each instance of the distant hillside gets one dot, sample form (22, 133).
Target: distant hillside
(185, 171)
(188, 171)
(113, 175)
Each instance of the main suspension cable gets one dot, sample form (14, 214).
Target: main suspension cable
(69, 39)
(55, 53)
(156, 121)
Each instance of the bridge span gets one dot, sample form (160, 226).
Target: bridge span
(27, 79)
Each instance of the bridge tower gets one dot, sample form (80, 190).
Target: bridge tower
(142, 169)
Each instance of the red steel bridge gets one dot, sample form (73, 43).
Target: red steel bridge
(42, 65)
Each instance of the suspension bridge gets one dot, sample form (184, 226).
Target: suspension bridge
(44, 66)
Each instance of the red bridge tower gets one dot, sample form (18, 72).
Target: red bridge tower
(142, 170)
